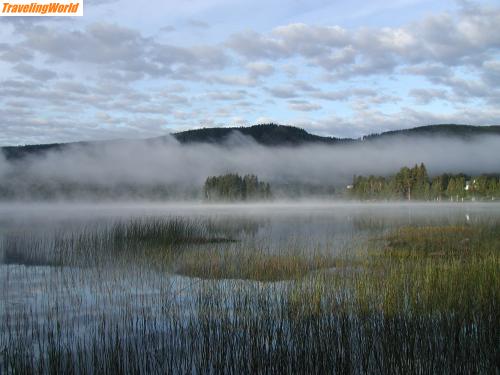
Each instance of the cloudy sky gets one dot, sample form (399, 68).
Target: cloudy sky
(129, 69)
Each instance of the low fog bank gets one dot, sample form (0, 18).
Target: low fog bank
(179, 171)
(47, 211)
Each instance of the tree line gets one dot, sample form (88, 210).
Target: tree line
(415, 184)
(233, 187)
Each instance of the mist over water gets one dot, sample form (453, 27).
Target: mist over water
(168, 162)
(331, 225)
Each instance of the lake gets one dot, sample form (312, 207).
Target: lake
(124, 278)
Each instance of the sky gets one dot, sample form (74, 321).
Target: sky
(129, 69)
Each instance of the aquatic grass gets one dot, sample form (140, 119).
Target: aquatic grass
(452, 240)
(235, 327)
(252, 264)
(378, 313)
(28, 250)
(137, 239)
(432, 270)
(431, 287)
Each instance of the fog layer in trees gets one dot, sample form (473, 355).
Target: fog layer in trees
(415, 184)
(233, 187)
(166, 169)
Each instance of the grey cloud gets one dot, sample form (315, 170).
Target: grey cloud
(29, 128)
(167, 29)
(467, 89)
(206, 56)
(175, 98)
(198, 24)
(303, 106)
(254, 45)
(67, 96)
(73, 87)
(260, 69)
(290, 70)
(304, 86)
(343, 95)
(426, 96)
(121, 71)
(99, 43)
(121, 76)
(35, 73)
(491, 72)
(232, 80)
(233, 95)
(333, 60)
(121, 48)
(484, 87)
(462, 39)
(14, 53)
(432, 71)
(283, 92)
(332, 95)
(63, 92)
(311, 41)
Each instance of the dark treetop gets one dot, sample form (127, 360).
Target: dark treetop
(275, 135)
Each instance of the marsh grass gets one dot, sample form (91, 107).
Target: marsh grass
(138, 239)
(438, 241)
(252, 264)
(420, 301)
(433, 270)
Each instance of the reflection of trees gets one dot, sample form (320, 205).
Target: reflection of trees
(43, 189)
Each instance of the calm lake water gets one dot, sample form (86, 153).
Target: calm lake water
(320, 226)
(306, 224)
(37, 296)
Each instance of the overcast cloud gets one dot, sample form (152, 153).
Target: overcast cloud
(343, 70)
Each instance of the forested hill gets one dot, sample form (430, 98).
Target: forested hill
(265, 134)
(442, 130)
(276, 135)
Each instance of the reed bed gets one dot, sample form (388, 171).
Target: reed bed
(449, 241)
(134, 239)
(253, 264)
(421, 300)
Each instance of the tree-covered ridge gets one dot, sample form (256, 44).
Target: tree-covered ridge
(415, 184)
(265, 134)
(269, 135)
(233, 187)
(442, 130)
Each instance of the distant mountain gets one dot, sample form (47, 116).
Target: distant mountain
(442, 130)
(275, 135)
(265, 134)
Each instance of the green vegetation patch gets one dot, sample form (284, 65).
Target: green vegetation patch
(432, 270)
(251, 264)
(443, 241)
